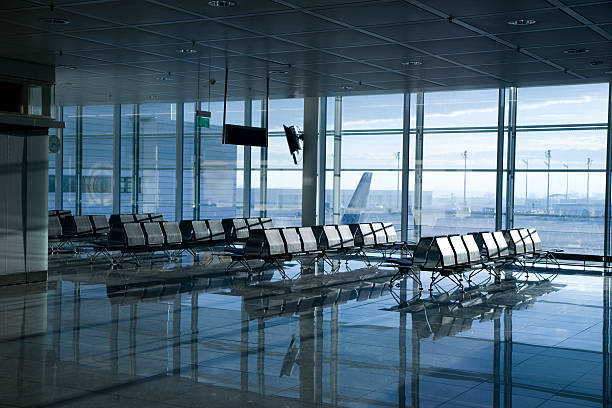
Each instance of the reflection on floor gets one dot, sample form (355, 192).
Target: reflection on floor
(188, 335)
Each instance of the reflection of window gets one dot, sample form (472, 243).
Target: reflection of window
(126, 185)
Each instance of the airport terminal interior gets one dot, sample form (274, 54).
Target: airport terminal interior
(305, 203)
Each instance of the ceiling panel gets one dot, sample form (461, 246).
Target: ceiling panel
(422, 31)
(333, 39)
(494, 58)
(545, 20)
(478, 7)
(128, 12)
(244, 7)
(32, 17)
(373, 14)
(548, 38)
(286, 23)
(597, 13)
(457, 46)
(200, 31)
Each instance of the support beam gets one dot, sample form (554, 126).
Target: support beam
(178, 191)
(405, 168)
(310, 158)
(78, 182)
(135, 158)
(511, 164)
(499, 184)
(116, 159)
(263, 174)
(321, 161)
(418, 166)
(59, 164)
(337, 157)
(197, 161)
(608, 194)
(246, 176)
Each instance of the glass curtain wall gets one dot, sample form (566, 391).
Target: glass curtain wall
(129, 157)
(459, 162)
(69, 154)
(560, 165)
(51, 195)
(97, 148)
(371, 158)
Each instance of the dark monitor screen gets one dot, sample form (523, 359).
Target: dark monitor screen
(245, 135)
(292, 138)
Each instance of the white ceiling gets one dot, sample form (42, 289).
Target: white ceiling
(117, 51)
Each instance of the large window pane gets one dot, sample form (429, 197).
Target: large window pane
(97, 174)
(157, 159)
(129, 121)
(459, 164)
(69, 154)
(52, 159)
(371, 153)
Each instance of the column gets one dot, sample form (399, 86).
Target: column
(511, 158)
(246, 181)
(321, 162)
(78, 184)
(263, 174)
(116, 159)
(405, 167)
(499, 185)
(418, 166)
(178, 192)
(59, 163)
(608, 194)
(310, 158)
(337, 157)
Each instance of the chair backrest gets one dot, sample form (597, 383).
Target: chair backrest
(535, 237)
(458, 247)
(172, 232)
(217, 233)
(153, 233)
(330, 239)
(367, 234)
(419, 256)
(100, 224)
(447, 256)
(515, 242)
(241, 229)
(274, 242)
(194, 230)
(489, 244)
(309, 242)
(55, 226)
(346, 236)
(529, 244)
(254, 224)
(292, 240)
(78, 225)
(379, 233)
(266, 223)
(472, 248)
(142, 217)
(155, 217)
(120, 219)
(390, 232)
(133, 235)
(254, 246)
(502, 244)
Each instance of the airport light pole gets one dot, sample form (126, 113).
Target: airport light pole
(566, 181)
(526, 161)
(547, 155)
(589, 162)
(464, 178)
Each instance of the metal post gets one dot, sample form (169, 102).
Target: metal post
(176, 335)
(244, 349)
(263, 174)
(135, 158)
(608, 203)
(499, 184)
(496, 362)
(337, 157)
(197, 161)
(418, 166)
(333, 359)
(194, 336)
(116, 159)
(59, 164)
(511, 162)
(589, 162)
(180, 139)
(405, 191)
(79, 161)
(246, 180)
(261, 349)
(547, 155)
(321, 160)
(309, 163)
(401, 381)
(606, 346)
(508, 358)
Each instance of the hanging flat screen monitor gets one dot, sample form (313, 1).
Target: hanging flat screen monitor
(245, 135)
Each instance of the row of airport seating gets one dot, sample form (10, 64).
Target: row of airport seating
(275, 245)
(454, 255)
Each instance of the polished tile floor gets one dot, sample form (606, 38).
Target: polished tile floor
(194, 336)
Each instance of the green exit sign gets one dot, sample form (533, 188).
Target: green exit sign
(203, 122)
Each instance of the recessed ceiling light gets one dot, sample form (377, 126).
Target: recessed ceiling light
(594, 63)
(222, 3)
(346, 87)
(54, 20)
(521, 22)
(608, 72)
(412, 63)
(186, 51)
(62, 66)
(574, 51)
(165, 78)
(278, 72)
